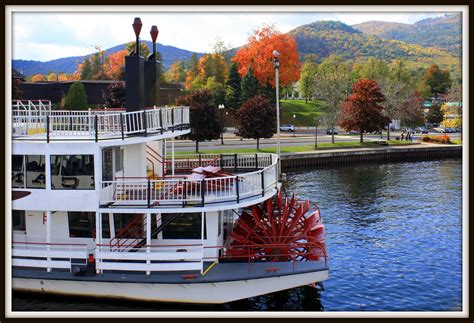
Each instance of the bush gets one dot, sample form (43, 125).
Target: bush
(443, 139)
(76, 98)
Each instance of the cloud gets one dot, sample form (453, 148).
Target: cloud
(51, 35)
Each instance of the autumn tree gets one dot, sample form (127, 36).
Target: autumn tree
(256, 119)
(114, 95)
(332, 84)
(204, 118)
(438, 80)
(233, 87)
(114, 66)
(361, 110)
(38, 78)
(258, 55)
(400, 100)
(411, 111)
(76, 98)
(176, 72)
(52, 77)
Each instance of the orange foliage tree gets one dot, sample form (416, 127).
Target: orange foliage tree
(38, 78)
(258, 54)
(114, 65)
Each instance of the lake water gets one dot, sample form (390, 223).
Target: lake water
(394, 237)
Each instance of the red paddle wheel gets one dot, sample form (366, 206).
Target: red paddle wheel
(278, 230)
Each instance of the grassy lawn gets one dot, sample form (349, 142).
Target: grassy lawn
(294, 149)
(457, 141)
(304, 112)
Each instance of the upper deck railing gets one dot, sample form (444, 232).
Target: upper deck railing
(182, 190)
(45, 124)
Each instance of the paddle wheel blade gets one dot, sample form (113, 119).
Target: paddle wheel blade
(278, 229)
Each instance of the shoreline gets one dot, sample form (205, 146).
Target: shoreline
(346, 156)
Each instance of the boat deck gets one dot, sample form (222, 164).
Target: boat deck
(221, 272)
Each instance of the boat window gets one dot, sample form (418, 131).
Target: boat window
(107, 165)
(183, 226)
(81, 224)
(72, 172)
(35, 171)
(18, 175)
(18, 221)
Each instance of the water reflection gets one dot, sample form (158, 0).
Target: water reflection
(297, 299)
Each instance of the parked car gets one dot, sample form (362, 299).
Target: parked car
(421, 130)
(439, 129)
(287, 127)
(330, 131)
(449, 130)
(354, 132)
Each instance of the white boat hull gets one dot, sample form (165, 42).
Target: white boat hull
(204, 293)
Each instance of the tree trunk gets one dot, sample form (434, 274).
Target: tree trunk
(361, 136)
(332, 136)
(258, 143)
(197, 146)
(388, 132)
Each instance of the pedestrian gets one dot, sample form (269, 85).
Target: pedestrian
(402, 135)
(411, 136)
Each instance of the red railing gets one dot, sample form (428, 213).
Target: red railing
(130, 235)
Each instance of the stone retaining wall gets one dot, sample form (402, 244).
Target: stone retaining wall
(351, 156)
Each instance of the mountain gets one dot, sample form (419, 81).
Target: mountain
(323, 38)
(441, 32)
(170, 54)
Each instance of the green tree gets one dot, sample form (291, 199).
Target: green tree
(256, 119)
(250, 86)
(76, 98)
(204, 119)
(307, 80)
(435, 115)
(439, 80)
(233, 88)
(86, 70)
(144, 50)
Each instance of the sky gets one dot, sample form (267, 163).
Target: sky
(45, 36)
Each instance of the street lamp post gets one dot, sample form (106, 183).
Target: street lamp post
(221, 108)
(276, 62)
(317, 121)
(294, 125)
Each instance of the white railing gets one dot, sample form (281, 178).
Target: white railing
(95, 125)
(41, 254)
(32, 105)
(165, 258)
(181, 190)
(227, 162)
